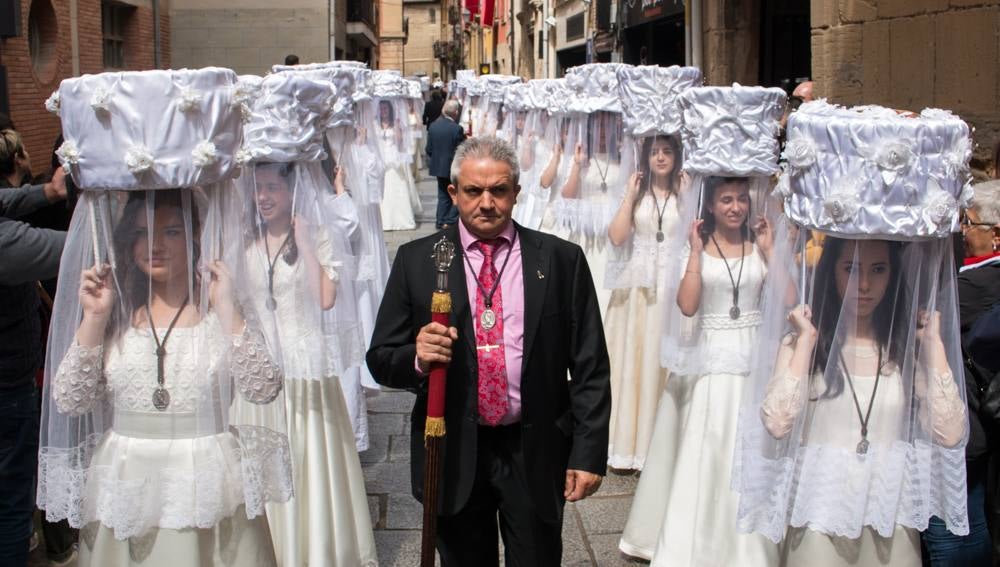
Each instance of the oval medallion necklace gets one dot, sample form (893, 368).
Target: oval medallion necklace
(734, 311)
(161, 397)
(488, 319)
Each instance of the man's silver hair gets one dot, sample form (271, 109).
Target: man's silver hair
(452, 109)
(485, 147)
(986, 201)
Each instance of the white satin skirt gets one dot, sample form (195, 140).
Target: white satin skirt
(327, 522)
(234, 542)
(698, 506)
(398, 211)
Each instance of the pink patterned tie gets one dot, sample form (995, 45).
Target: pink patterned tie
(489, 343)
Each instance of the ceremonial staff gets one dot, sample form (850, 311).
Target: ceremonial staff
(434, 431)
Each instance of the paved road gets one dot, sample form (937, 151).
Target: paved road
(591, 528)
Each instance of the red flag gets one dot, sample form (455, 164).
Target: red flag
(473, 7)
(488, 6)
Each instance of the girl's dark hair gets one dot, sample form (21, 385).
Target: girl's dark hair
(134, 282)
(673, 178)
(594, 127)
(392, 111)
(827, 307)
(712, 185)
(285, 171)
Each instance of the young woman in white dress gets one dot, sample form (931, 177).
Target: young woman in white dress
(400, 202)
(161, 350)
(645, 219)
(292, 268)
(719, 294)
(842, 369)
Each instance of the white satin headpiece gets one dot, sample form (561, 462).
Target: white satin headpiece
(516, 97)
(871, 171)
(594, 87)
(495, 86)
(151, 129)
(388, 83)
(288, 119)
(415, 88)
(731, 130)
(649, 97)
(343, 78)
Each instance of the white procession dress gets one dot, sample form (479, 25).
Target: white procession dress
(327, 522)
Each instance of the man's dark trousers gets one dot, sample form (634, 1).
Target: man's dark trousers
(447, 213)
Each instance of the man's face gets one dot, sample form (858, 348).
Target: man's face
(485, 196)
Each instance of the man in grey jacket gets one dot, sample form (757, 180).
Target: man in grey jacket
(27, 254)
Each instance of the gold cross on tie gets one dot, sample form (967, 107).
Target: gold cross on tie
(487, 348)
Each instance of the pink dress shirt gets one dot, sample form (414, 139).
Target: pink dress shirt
(512, 291)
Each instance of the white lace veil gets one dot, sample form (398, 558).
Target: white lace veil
(137, 429)
(856, 414)
(649, 110)
(728, 132)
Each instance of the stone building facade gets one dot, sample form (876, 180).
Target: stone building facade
(58, 40)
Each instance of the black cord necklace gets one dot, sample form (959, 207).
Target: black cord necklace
(271, 303)
(659, 211)
(161, 397)
(489, 317)
(863, 445)
(734, 311)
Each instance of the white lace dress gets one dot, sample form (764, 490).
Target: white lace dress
(691, 453)
(327, 522)
(174, 487)
(400, 202)
(851, 481)
(632, 324)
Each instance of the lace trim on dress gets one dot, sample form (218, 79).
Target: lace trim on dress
(894, 484)
(256, 375)
(720, 321)
(80, 383)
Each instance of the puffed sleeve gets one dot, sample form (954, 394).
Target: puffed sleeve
(80, 383)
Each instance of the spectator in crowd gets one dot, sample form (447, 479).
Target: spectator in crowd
(27, 254)
(432, 110)
(291, 59)
(443, 137)
(15, 164)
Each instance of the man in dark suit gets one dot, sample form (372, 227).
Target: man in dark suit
(443, 136)
(521, 438)
(432, 110)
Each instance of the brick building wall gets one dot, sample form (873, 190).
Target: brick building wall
(913, 54)
(28, 88)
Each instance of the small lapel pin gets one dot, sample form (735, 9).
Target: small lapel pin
(541, 276)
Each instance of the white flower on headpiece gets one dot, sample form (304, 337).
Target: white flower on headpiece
(100, 101)
(54, 103)
(243, 93)
(941, 208)
(189, 99)
(204, 154)
(800, 153)
(784, 187)
(844, 201)
(893, 159)
(956, 160)
(68, 153)
(138, 159)
(243, 156)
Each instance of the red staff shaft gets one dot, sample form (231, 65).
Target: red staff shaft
(434, 432)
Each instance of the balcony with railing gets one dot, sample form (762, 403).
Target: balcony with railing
(361, 18)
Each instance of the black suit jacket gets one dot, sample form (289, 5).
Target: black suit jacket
(443, 137)
(564, 423)
(432, 111)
